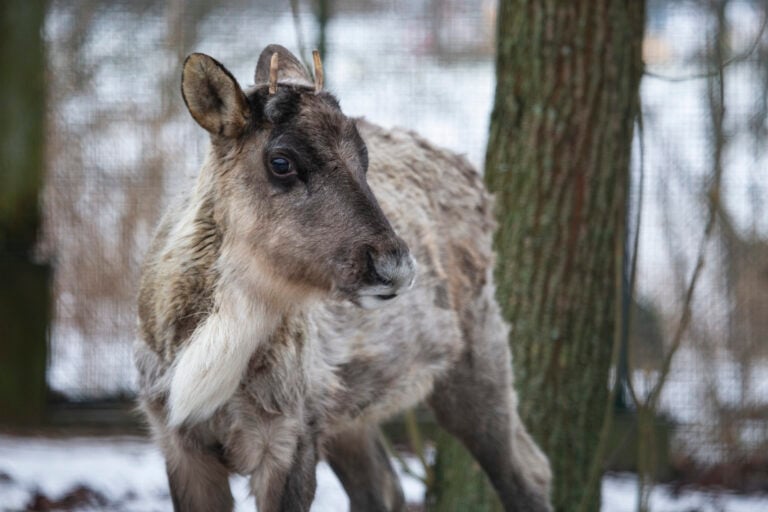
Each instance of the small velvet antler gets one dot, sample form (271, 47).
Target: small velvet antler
(318, 71)
(273, 63)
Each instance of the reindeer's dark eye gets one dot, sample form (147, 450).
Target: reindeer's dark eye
(281, 166)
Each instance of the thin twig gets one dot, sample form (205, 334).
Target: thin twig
(646, 430)
(401, 461)
(417, 445)
(715, 72)
(686, 315)
(716, 107)
(299, 33)
(636, 244)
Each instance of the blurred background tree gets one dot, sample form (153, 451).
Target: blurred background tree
(24, 294)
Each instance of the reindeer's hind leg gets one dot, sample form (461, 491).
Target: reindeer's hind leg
(476, 403)
(360, 460)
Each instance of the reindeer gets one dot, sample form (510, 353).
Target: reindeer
(282, 317)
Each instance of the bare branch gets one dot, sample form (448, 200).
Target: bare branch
(715, 72)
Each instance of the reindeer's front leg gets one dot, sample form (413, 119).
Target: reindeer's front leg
(300, 484)
(279, 451)
(289, 488)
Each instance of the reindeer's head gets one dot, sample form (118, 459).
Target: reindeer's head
(290, 169)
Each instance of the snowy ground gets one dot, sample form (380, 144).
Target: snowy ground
(126, 474)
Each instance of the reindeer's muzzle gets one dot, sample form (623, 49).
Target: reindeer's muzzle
(387, 271)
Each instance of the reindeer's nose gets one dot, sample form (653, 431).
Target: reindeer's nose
(390, 270)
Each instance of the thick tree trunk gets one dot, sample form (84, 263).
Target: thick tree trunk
(24, 293)
(558, 161)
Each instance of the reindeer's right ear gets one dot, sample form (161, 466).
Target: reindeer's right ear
(213, 96)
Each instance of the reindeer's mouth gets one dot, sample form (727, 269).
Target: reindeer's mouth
(373, 301)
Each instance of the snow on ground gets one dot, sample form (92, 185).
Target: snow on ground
(129, 473)
(620, 495)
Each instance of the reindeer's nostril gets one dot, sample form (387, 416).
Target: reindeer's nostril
(387, 274)
(385, 269)
(393, 270)
(377, 269)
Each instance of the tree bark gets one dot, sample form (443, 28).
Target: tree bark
(558, 162)
(24, 293)
(459, 485)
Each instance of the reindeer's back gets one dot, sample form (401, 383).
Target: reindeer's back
(436, 201)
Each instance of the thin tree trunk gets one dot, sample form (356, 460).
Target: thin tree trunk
(459, 485)
(24, 293)
(558, 161)
(323, 14)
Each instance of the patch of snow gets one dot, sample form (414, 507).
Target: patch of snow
(619, 494)
(130, 473)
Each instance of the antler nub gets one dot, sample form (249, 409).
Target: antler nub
(318, 71)
(273, 63)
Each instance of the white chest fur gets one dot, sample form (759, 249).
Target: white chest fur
(212, 363)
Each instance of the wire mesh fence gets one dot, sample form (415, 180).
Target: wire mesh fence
(120, 145)
(702, 262)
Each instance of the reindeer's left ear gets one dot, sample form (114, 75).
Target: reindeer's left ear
(214, 97)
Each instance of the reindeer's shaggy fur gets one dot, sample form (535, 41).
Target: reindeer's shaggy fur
(255, 356)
